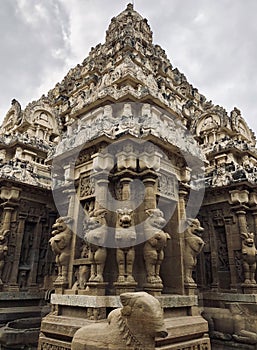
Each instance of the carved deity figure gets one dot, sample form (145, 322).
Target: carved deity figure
(193, 246)
(155, 244)
(249, 253)
(60, 244)
(3, 250)
(125, 238)
(95, 236)
(132, 327)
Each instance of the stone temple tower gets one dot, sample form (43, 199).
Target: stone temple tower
(123, 178)
(128, 179)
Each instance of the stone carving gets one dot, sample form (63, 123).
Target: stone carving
(60, 244)
(230, 324)
(193, 246)
(249, 253)
(132, 327)
(125, 237)
(95, 236)
(130, 122)
(3, 250)
(154, 246)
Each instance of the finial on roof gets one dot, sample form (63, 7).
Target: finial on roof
(130, 7)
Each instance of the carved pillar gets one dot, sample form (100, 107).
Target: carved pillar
(177, 238)
(32, 280)
(7, 215)
(242, 223)
(150, 192)
(126, 190)
(73, 212)
(182, 204)
(254, 214)
(214, 258)
(13, 285)
(232, 266)
(102, 164)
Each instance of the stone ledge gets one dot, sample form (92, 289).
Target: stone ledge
(21, 295)
(167, 301)
(203, 343)
(229, 297)
(183, 329)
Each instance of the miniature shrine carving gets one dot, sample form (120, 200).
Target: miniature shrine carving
(155, 244)
(132, 327)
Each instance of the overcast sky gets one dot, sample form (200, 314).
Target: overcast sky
(213, 42)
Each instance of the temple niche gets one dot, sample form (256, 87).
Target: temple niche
(128, 209)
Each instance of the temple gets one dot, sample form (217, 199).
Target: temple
(123, 178)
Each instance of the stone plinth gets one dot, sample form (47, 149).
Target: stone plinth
(249, 288)
(124, 287)
(153, 289)
(96, 288)
(76, 311)
(190, 288)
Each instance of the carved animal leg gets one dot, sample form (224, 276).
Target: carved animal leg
(150, 257)
(252, 273)
(247, 273)
(64, 273)
(188, 274)
(120, 257)
(130, 263)
(91, 256)
(158, 266)
(100, 257)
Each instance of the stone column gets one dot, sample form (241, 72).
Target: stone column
(150, 192)
(126, 190)
(13, 285)
(254, 214)
(32, 280)
(232, 265)
(177, 239)
(73, 212)
(242, 223)
(7, 215)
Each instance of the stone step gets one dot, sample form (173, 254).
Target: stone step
(13, 313)
(182, 329)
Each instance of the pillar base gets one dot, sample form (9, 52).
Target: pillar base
(95, 288)
(125, 287)
(191, 288)
(153, 289)
(249, 288)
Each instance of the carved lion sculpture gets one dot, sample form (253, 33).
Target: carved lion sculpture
(153, 248)
(95, 236)
(193, 246)
(3, 250)
(60, 244)
(132, 327)
(249, 253)
(125, 238)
